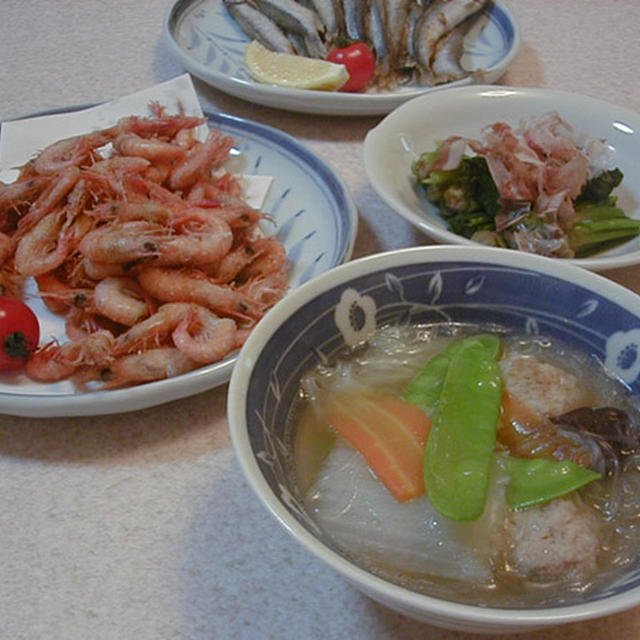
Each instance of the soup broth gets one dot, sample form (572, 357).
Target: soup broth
(494, 560)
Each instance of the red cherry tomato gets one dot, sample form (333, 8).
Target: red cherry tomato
(360, 62)
(19, 333)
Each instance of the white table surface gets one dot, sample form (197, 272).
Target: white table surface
(141, 526)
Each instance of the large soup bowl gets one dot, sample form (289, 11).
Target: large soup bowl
(523, 292)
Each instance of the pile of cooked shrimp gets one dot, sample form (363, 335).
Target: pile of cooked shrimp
(140, 237)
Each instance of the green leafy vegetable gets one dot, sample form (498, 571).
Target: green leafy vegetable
(537, 480)
(600, 225)
(460, 446)
(466, 196)
(598, 189)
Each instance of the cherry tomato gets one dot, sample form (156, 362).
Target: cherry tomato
(360, 62)
(19, 333)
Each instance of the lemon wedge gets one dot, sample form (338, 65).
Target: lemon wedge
(297, 72)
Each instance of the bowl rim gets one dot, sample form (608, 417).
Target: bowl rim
(377, 587)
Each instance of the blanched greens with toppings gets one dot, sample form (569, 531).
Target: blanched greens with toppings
(543, 188)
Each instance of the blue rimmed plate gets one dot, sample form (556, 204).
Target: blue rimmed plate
(208, 43)
(314, 217)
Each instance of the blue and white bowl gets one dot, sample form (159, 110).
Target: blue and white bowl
(528, 293)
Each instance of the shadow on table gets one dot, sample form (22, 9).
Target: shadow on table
(173, 431)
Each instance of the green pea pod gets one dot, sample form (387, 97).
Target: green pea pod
(459, 451)
(537, 480)
(424, 389)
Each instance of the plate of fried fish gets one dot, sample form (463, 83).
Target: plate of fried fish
(420, 46)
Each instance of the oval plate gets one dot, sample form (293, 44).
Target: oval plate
(316, 220)
(208, 43)
(392, 146)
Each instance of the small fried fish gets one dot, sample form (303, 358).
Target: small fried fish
(258, 26)
(292, 16)
(439, 19)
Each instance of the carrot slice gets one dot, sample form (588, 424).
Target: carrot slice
(389, 432)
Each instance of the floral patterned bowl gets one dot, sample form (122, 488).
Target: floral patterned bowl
(425, 284)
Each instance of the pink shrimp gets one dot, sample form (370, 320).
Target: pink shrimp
(200, 160)
(79, 323)
(162, 127)
(11, 282)
(49, 364)
(149, 210)
(70, 152)
(6, 248)
(120, 165)
(55, 192)
(152, 331)
(131, 144)
(224, 189)
(266, 290)
(234, 262)
(125, 242)
(270, 258)
(158, 172)
(185, 138)
(231, 208)
(77, 223)
(101, 270)
(252, 259)
(140, 188)
(15, 195)
(140, 241)
(201, 247)
(47, 244)
(204, 337)
(240, 217)
(174, 214)
(108, 177)
(59, 297)
(52, 362)
(45, 247)
(182, 285)
(136, 368)
(121, 300)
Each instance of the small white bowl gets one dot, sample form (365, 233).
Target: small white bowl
(419, 125)
(522, 291)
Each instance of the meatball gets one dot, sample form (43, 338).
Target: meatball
(543, 387)
(558, 540)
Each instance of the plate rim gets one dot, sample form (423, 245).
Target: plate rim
(318, 102)
(155, 393)
(443, 235)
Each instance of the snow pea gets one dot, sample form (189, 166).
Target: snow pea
(424, 390)
(537, 480)
(459, 451)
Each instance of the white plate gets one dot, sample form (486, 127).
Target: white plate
(208, 43)
(316, 220)
(391, 147)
